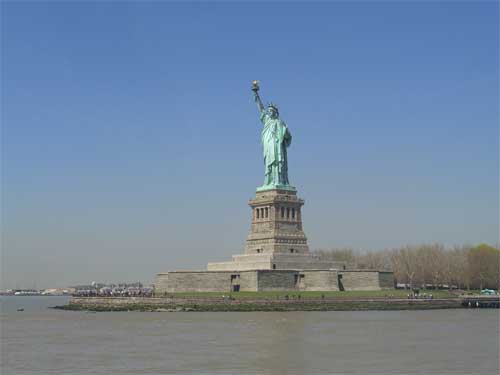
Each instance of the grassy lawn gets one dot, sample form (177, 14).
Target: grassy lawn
(305, 295)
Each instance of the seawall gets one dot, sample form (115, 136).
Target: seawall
(201, 303)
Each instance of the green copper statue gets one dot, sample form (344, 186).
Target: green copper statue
(275, 139)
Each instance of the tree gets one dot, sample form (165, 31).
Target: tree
(460, 266)
(484, 266)
(346, 255)
(374, 260)
(405, 264)
(455, 264)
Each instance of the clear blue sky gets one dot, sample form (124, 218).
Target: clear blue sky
(131, 143)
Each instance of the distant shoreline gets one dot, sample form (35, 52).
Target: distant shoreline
(175, 304)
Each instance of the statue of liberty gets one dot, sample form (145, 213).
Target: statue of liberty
(275, 139)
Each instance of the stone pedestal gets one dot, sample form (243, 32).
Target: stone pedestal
(276, 240)
(276, 224)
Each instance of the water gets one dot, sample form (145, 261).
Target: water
(45, 341)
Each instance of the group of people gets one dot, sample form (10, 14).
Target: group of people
(115, 292)
(420, 296)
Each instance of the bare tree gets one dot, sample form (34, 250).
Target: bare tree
(423, 265)
(338, 255)
(406, 262)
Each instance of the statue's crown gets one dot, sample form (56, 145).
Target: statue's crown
(272, 105)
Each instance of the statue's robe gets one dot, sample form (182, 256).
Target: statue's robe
(275, 139)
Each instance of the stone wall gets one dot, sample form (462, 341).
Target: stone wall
(271, 280)
(303, 262)
(248, 281)
(161, 283)
(319, 280)
(312, 280)
(278, 261)
(276, 280)
(360, 280)
(205, 281)
(119, 301)
(243, 263)
(386, 280)
(193, 281)
(235, 266)
(219, 303)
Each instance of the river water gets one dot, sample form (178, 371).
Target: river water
(46, 341)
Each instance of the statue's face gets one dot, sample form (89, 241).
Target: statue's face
(272, 112)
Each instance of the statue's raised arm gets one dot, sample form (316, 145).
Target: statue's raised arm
(255, 89)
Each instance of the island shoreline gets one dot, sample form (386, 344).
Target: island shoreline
(175, 304)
